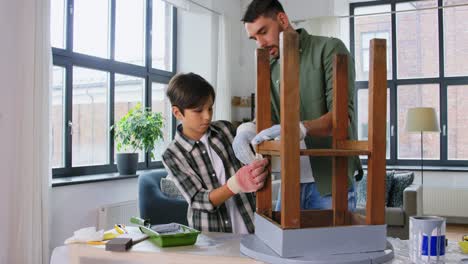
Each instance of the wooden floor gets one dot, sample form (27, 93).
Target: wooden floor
(454, 232)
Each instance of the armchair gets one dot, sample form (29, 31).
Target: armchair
(157, 206)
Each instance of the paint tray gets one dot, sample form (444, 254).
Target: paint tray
(171, 235)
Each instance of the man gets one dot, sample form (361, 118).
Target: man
(264, 20)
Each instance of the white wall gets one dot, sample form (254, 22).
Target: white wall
(305, 9)
(76, 206)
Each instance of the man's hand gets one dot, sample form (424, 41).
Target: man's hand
(241, 143)
(274, 133)
(249, 178)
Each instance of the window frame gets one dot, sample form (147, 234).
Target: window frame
(68, 59)
(393, 82)
(367, 50)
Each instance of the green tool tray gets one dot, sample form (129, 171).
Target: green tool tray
(188, 237)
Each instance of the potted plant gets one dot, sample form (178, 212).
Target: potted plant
(139, 129)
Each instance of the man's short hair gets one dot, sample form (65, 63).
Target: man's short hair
(189, 91)
(257, 8)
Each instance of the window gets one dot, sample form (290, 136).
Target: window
(409, 144)
(56, 116)
(89, 122)
(363, 117)
(108, 56)
(160, 104)
(129, 91)
(130, 31)
(91, 31)
(426, 60)
(57, 23)
(162, 46)
(365, 52)
(367, 27)
(457, 97)
(416, 36)
(455, 38)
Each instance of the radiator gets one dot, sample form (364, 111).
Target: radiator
(118, 213)
(445, 201)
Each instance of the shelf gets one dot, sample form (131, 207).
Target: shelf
(241, 105)
(273, 148)
(244, 101)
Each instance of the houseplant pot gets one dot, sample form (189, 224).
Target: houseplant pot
(127, 163)
(138, 130)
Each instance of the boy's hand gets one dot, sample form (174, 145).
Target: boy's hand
(249, 178)
(274, 133)
(241, 143)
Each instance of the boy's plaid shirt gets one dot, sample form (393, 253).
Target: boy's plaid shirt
(189, 163)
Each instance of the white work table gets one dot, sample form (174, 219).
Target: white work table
(209, 248)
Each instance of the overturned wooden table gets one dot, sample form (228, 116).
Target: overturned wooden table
(337, 235)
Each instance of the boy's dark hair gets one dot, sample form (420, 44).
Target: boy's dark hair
(188, 91)
(257, 8)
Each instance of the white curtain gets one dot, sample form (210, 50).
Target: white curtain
(24, 130)
(223, 74)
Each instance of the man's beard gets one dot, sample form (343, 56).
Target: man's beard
(269, 48)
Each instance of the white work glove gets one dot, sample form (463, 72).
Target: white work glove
(274, 133)
(249, 178)
(241, 143)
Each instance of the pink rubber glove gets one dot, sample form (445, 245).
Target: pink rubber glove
(249, 178)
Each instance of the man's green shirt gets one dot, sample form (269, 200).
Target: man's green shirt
(316, 98)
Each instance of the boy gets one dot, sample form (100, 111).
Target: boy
(203, 164)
